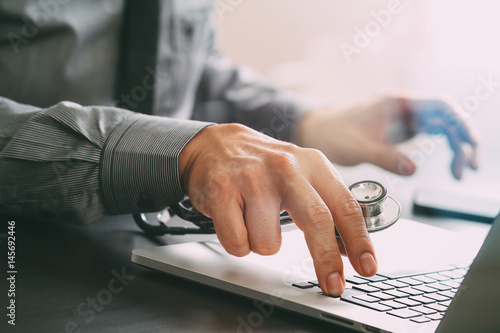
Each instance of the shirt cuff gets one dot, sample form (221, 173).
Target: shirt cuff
(140, 163)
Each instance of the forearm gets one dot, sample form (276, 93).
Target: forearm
(247, 99)
(76, 164)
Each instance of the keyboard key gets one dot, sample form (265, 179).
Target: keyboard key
(375, 278)
(452, 274)
(314, 282)
(439, 286)
(460, 271)
(424, 288)
(399, 274)
(394, 305)
(366, 288)
(437, 307)
(356, 280)
(436, 316)
(382, 296)
(348, 292)
(396, 293)
(303, 285)
(404, 313)
(381, 285)
(410, 281)
(447, 293)
(451, 283)
(445, 303)
(423, 278)
(373, 306)
(420, 320)
(396, 283)
(407, 301)
(437, 277)
(367, 298)
(437, 297)
(424, 310)
(422, 299)
(411, 291)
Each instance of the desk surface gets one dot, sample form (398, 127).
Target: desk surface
(67, 277)
(61, 267)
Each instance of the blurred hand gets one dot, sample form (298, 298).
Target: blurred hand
(243, 179)
(368, 133)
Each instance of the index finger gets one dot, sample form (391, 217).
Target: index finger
(348, 218)
(312, 215)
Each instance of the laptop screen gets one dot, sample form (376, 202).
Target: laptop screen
(476, 306)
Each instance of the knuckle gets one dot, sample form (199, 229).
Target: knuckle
(319, 214)
(358, 239)
(236, 127)
(326, 256)
(250, 172)
(348, 207)
(314, 154)
(219, 181)
(281, 161)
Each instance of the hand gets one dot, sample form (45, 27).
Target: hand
(368, 133)
(243, 179)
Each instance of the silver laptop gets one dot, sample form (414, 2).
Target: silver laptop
(425, 280)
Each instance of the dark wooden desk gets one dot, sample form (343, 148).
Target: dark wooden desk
(66, 282)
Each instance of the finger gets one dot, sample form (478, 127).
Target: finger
(462, 129)
(465, 129)
(467, 134)
(460, 156)
(389, 158)
(458, 163)
(230, 228)
(262, 219)
(348, 218)
(311, 214)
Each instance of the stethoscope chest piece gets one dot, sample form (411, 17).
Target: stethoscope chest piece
(379, 209)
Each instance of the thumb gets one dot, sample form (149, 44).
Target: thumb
(389, 158)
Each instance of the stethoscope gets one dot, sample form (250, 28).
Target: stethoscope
(379, 210)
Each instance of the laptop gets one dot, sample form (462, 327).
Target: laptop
(429, 279)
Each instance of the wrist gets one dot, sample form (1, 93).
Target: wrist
(188, 155)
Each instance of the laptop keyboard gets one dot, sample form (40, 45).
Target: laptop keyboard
(420, 298)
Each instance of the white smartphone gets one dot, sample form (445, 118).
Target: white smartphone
(462, 205)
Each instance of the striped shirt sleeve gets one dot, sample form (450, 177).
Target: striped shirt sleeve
(76, 164)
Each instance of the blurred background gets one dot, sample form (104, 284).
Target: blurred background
(347, 52)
